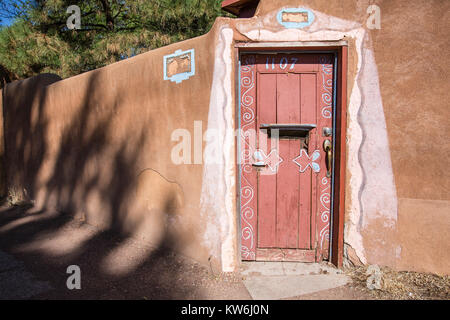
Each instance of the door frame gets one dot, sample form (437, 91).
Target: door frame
(340, 51)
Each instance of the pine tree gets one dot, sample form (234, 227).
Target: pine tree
(39, 40)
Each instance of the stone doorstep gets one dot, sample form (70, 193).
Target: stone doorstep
(286, 269)
(282, 287)
(281, 280)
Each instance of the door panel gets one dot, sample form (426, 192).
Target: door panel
(285, 190)
(287, 183)
(267, 199)
(308, 115)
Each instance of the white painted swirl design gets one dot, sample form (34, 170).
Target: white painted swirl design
(247, 192)
(327, 85)
(247, 83)
(325, 200)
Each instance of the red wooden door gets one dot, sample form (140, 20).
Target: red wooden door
(285, 143)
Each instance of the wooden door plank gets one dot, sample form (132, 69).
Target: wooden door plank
(288, 111)
(308, 115)
(267, 180)
(285, 255)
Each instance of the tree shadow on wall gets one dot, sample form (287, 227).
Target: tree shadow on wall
(93, 177)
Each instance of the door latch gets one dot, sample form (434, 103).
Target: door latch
(327, 148)
(259, 160)
(327, 132)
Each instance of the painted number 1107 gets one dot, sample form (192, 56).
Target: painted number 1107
(284, 63)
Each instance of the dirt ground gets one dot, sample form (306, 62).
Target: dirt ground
(47, 243)
(39, 246)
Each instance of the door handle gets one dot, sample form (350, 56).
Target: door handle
(327, 148)
(259, 165)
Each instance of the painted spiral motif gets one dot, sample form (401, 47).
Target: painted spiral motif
(247, 213)
(327, 85)
(247, 190)
(324, 236)
(247, 253)
(247, 194)
(327, 66)
(325, 200)
(248, 83)
(246, 156)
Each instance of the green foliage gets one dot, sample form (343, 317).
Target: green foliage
(26, 52)
(111, 30)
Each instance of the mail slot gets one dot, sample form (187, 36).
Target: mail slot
(289, 131)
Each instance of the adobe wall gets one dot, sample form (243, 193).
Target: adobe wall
(99, 145)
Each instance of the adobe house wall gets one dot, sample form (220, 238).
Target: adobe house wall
(99, 145)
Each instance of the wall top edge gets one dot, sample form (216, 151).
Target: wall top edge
(300, 44)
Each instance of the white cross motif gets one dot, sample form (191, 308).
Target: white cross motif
(272, 160)
(304, 161)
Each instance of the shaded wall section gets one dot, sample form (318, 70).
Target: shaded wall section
(98, 146)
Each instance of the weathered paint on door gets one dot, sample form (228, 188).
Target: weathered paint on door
(284, 186)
